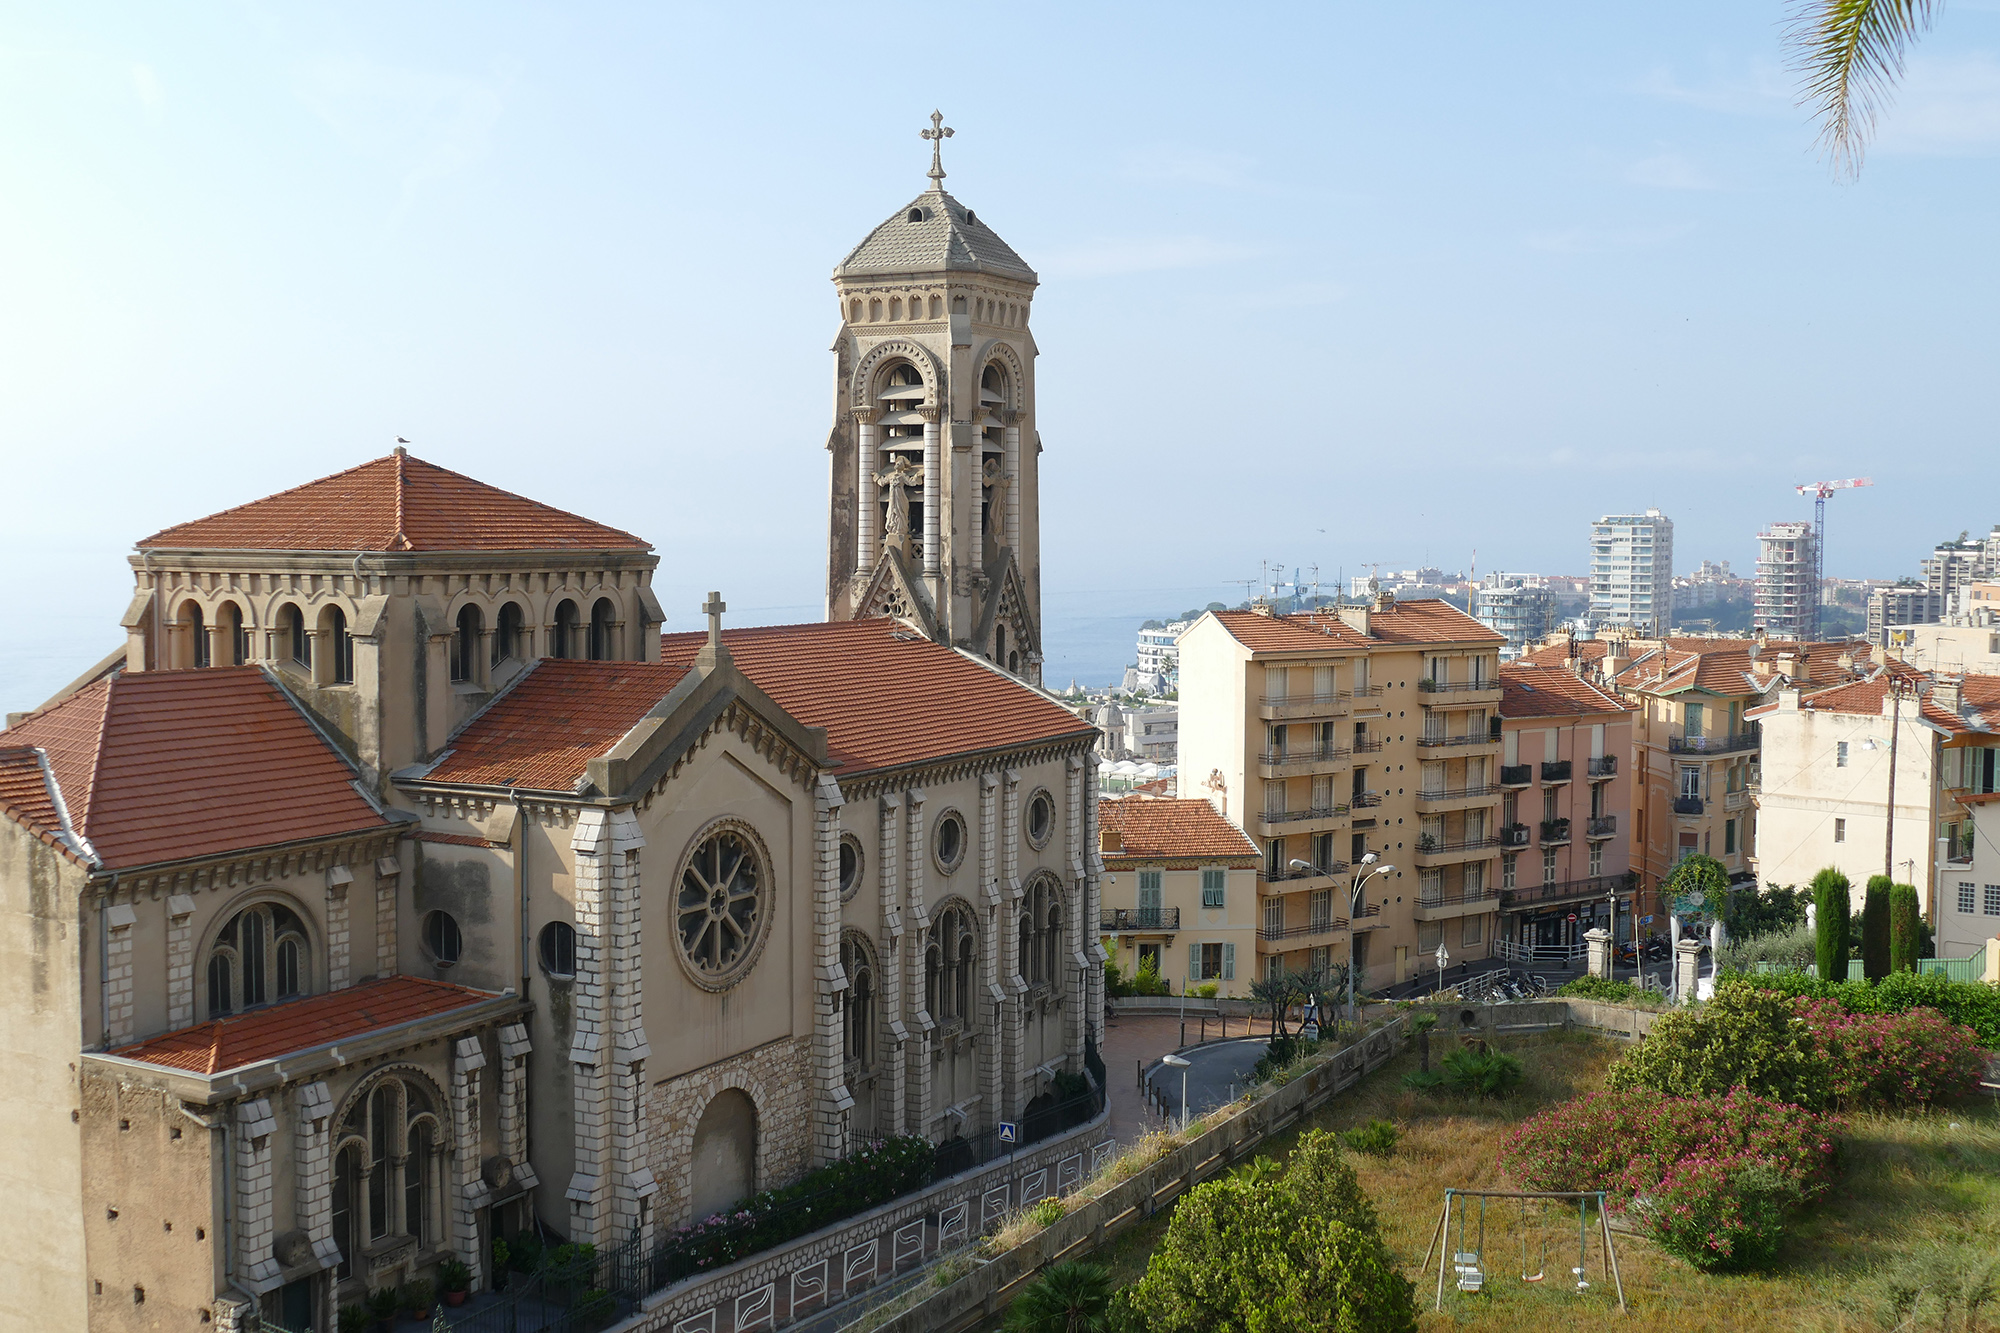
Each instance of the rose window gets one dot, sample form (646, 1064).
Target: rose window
(721, 904)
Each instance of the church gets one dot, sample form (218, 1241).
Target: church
(400, 886)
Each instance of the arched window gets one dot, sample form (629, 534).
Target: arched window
(558, 949)
(1052, 941)
(333, 633)
(999, 644)
(565, 630)
(955, 944)
(465, 644)
(386, 1172)
(417, 1167)
(507, 634)
(860, 1012)
(1029, 961)
(237, 633)
(197, 631)
(260, 957)
(442, 940)
(294, 621)
(603, 630)
(348, 1173)
(1041, 933)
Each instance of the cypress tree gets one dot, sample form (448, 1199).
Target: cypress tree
(1875, 929)
(1903, 928)
(1831, 910)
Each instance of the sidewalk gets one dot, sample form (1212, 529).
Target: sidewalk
(1133, 1043)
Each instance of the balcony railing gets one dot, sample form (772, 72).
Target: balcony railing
(1140, 918)
(1457, 793)
(1688, 805)
(1555, 830)
(1516, 775)
(1299, 932)
(1741, 740)
(1602, 826)
(1555, 770)
(1514, 835)
(1281, 700)
(1311, 754)
(1470, 738)
(1311, 872)
(1454, 899)
(1294, 816)
(1429, 686)
(1428, 846)
(1602, 886)
(1604, 767)
(1362, 745)
(1365, 800)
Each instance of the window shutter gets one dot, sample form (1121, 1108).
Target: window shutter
(1194, 962)
(1229, 962)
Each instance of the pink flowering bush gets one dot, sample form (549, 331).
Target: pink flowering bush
(1712, 1178)
(1911, 1058)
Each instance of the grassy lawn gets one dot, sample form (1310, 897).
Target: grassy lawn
(1918, 1199)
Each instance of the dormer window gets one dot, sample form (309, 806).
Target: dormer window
(564, 630)
(259, 958)
(603, 630)
(465, 645)
(197, 631)
(294, 621)
(507, 636)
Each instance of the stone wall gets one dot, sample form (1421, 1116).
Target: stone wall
(776, 1077)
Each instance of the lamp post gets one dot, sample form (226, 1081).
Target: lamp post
(1353, 916)
(1443, 960)
(1181, 1065)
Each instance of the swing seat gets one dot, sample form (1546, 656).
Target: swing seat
(1466, 1265)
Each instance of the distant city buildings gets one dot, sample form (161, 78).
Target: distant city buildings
(1521, 607)
(1787, 581)
(1632, 571)
(1712, 582)
(1904, 604)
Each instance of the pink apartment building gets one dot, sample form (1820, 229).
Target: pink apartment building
(1565, 813)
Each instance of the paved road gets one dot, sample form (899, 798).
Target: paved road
(1214, 1071)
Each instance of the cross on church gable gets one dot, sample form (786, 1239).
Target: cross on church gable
(713, 609)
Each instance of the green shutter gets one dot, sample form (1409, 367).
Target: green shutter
(1229, 962)
(1194, 962)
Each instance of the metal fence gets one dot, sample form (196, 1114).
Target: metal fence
(1954, 969)
(576, 1295)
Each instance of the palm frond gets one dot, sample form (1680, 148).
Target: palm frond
(1850, 53)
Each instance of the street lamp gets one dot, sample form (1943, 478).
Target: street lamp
(1354, 916)
(1181, 1065)
(1443, 959)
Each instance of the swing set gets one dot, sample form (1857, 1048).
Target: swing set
(1467, 1262)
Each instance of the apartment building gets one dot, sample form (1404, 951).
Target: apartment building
(1632, 571)
(1519, 608)
(1968, 916)
(1787, 598)
(1157, 655)
(1565, 811)
(1180, 893)
(1893, 610)
(1334, 737)
(1830, 757)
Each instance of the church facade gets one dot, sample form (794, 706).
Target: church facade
(401, 887)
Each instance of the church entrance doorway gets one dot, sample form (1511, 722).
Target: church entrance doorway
(724, 1162)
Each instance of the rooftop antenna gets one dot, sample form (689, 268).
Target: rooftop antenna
(1819, 490)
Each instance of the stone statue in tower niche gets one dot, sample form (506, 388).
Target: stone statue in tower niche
(994, 475)
(898, 477)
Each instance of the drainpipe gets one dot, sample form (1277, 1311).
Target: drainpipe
(104, 965)
(520, 859)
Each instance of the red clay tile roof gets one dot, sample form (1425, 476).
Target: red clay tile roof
(886, 697)
(1172, 830)
(1527, 690)
(397, 503)
(224, 1044)
(1427, 620)
(1979, 695)
(1555, 654)
(1284, 634)
(26, 799)
(170, 765)
(564, 713)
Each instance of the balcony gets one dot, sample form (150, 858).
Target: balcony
(1330, 926)
(1295, 878)
(1443, 852)
(1556, 770)
(1440, 906)
(1277, 707)
(1460, 694)
(1602, 826)
(1604, 767)
(1113, 920)
(1365, 800)
(1725, 744)
(1303, 762)
(1471, 738)
(1455, 798)
(1689, 805)
(1279, 823)
(1568, 890)
(1516, 775)
(1555, 832)
(1514, 835)
(1735, 800)
(1362, 745)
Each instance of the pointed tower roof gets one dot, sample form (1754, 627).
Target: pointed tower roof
(395, 503)
(934, 233)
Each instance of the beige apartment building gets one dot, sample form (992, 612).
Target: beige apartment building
(1335, 737)
(1179, 891)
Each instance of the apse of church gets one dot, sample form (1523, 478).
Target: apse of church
(933, 513)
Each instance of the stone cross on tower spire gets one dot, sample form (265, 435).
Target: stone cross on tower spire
(713, 609)
(937, 134)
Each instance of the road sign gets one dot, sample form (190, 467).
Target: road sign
(1572, 916)
(1645, 920)
(1009, 1132)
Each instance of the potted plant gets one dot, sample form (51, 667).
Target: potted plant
(455, 1277)
(382, 1305)
(502, 1254)
(417, 1296)
(354, 1319)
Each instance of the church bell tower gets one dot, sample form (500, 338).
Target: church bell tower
(934, 514)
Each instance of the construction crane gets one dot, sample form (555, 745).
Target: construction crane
(1819, 490)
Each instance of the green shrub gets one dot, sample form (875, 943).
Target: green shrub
(1482, 1073)
(1606, 991)
(1832, 907)
(1376, 1138)
(416, 1296)
(1070, 1297)
(1206, 990)
(1775, 909)
(1972, 1004)
(454, 1275)
(1745, 1037)
(1423, 1080)
(1146, 981)
(1795, 947)
(382, 1302)
(1875, 928)
(355, 1319)
(1904, 923)
(1047, 1212)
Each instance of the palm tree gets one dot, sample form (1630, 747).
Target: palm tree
(1066, 1298)
(1851, 54)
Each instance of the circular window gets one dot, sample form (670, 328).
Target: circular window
(948, 841)
(558, 949)
(1041, 818)
(441, 938)
(720, 911)
(850, 866)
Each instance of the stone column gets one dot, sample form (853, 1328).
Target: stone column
(1013, 465)
(221, 652)
(975, 519)
(339, 969)
(514, 1050)
(897, 946)
(180, 961)
(993, 995)
(918, 924)
(118, 922)
(256, 1267)
(467, 1192)
(634, 1186)
(1076, 983)
(589, 1050)
(312, 1171)
(933, 491)
(1687, 969)
(833, 1103)
(1598, 940)
(388, 870)
(1011, 980)
(1093, 905)
(864, 491)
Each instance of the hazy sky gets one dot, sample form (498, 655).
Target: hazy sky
(1328, 283)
